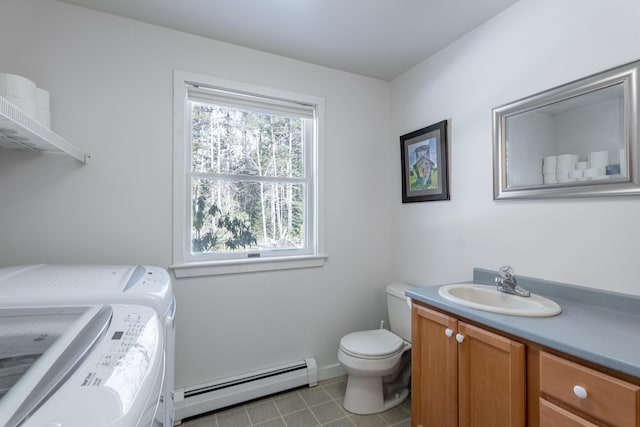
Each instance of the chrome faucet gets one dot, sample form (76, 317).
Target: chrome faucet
(507, 282)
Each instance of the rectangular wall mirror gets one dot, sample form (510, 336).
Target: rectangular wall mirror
(579, 139)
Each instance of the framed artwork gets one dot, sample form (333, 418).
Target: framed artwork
(425, 171)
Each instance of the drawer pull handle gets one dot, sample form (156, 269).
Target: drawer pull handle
(580, 392)
(459, 338)
(448, 332)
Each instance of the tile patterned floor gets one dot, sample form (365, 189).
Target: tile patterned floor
(303, 407)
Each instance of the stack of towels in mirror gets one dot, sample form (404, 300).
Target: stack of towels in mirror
(569, 168)
(24, 94)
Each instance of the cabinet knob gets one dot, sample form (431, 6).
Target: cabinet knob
(580, 391)
(448, 332)
(459, 338)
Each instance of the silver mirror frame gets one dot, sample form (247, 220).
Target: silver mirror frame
(627, 75)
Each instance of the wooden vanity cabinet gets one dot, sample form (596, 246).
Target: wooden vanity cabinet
(466, 375)
(463, 375)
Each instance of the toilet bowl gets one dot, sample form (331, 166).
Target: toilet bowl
(378, 361)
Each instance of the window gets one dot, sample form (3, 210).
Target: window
(246, 178)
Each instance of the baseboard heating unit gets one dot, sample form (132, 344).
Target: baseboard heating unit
(196, 400)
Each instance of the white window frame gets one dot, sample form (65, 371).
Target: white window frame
(184, 264)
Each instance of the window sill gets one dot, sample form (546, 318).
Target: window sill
(217, 268)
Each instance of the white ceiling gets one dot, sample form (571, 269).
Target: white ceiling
(376, 38)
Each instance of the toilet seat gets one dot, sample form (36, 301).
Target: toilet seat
(373, 344)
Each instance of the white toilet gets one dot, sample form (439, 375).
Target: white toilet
(378, 362)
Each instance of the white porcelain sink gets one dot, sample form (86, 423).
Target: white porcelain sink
(487, 298)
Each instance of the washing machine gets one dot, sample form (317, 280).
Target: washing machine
(43, 284)
(79, 366)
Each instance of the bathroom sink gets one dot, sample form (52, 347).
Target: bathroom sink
(487, 298)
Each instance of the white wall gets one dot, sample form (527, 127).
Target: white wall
(532, 46)
(111, 91)
(111, 80)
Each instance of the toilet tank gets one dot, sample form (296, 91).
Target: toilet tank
(399, 310)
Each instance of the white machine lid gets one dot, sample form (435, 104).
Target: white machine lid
(373, 344)
(43, 284)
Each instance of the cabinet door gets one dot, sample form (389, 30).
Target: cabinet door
(491, 379)
(434, 364)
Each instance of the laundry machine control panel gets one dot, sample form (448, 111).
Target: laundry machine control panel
(120, 380)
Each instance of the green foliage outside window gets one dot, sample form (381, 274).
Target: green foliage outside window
(223, 230)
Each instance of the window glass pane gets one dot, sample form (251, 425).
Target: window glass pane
(233, 141)
(237, 216)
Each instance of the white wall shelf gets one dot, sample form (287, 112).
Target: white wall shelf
(17, 130)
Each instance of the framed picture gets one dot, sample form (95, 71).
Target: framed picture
(425, 171)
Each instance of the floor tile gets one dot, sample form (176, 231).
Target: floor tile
(406, 405)
(204, 421)
(234, 417)
(335, 389)
(342, 422)
(328, 411)
(394, 415)
(314, 395)
(278, 422)
(374, 420)
(302, 418)
(303, 407)
(289, 402)
(263, 410)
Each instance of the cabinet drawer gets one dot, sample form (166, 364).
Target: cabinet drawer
(607, 398)
(554, 416)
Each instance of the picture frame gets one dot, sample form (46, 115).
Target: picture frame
(425, 164)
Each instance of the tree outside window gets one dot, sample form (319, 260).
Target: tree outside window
(248, 179)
